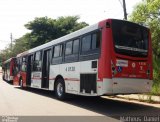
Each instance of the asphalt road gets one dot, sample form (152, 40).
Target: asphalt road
(33, 102)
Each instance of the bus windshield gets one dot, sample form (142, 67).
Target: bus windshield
(130, 39)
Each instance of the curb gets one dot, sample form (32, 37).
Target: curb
(141, 98)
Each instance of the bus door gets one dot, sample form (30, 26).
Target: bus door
(29, 69)
(36, 72)
(45, 68)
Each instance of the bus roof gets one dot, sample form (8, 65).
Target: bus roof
(67, 37)
(61, 39)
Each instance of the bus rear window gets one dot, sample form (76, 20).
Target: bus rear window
(130, 39)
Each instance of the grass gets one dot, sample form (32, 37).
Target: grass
(156, 89)
(141, 99)
(156, 77)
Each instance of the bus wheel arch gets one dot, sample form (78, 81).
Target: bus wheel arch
(59, 87)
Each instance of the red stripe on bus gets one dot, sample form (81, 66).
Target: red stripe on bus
(71, 79)
(99, 81)
(67, 79)
(36, 78)
(52, 78)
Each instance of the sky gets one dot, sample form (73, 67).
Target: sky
(14, 14)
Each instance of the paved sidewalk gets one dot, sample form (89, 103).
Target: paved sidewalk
(141, 97)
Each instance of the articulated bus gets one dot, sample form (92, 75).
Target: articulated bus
(108, 58)
(8, 69)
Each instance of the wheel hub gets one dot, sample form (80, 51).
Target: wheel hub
(59, 89)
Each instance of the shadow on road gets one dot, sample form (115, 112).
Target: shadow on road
(107, 107)
(10, 83)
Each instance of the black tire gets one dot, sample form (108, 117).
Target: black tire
(60, 89)
(3, 77)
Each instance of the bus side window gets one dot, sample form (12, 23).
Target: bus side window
(57, 51)
(24, 67)
(32, 61)
(57, 54)
(72, 47)
(91, 42)
(68, 50)
(76, 46)
(15, 69)
(95, 40)
(86, 43)
(19, 64)
(37, 63)
(71, 51)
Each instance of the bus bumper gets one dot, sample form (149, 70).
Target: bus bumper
(126, 86)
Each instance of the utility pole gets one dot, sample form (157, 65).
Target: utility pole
(11, 37)
(124, 9)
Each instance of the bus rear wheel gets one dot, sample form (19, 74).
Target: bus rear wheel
(60, 89)
(21, 83)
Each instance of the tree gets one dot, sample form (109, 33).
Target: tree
(45, 29)
(148, 13)
(22, 44)
(19, 45)
(6, 53)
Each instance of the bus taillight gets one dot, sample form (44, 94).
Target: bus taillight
(148, 70)
(108, 25)
(114, 71)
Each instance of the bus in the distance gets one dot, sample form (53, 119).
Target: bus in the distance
(108, 58)
(20, 70)
(8, 69)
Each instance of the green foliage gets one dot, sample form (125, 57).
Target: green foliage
(148, 13)
(1, 60)
(6, 53)
(156, 76)
(43, 30)
(18, 46)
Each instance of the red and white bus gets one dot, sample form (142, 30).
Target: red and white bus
(20, 70)
(107, 58)
(8, 69)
